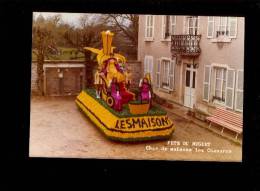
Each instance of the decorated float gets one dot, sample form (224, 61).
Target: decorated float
(119, 113)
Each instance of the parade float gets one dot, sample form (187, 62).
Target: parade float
(119, 113)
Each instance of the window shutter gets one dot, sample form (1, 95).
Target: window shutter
(145, 64)
(206, 83)
(151, 25)
(151, 67)
(163, 26)
(230, 85)
(184, 25)
(239, 90)
(210, 33)
(146, 25)
(198, 25)
(171, 74)
(216, 25)
(173, 24)
(232, 27)
(158, 73)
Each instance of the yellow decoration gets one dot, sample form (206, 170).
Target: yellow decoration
(139, 108)
(126, 128)
(108, 50)
(107, 42)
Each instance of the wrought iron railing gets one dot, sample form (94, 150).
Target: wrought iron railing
(187, 45)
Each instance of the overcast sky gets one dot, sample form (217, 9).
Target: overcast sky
(70, 18)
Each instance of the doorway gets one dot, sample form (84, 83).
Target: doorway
(190, 85)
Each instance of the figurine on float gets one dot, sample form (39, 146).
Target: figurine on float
(145, 89)
(112, 74)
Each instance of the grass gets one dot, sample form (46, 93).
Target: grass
(155, 110)
(138, 102)
(66, 54)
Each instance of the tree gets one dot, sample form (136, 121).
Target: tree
(43, 43)
(86, 35)
(126, 26)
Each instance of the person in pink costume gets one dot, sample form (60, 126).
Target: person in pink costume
(145, 89)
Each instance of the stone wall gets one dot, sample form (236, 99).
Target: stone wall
(136, 72)
(134, 65)
(34, 88)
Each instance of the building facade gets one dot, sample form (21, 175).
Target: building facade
(195, 61)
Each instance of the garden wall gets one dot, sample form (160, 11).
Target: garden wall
(135, 69)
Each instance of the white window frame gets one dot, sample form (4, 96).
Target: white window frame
(222, 25)
(221, 88)
(238, 90)
(166, 73)
(170, 74)
(187, 23)
(217, 24)
(171, 25)
(149, 27)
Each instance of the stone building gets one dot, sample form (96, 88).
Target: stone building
(195, 61)
(61, 78)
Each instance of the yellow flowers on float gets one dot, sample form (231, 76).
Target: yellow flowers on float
(125, 128)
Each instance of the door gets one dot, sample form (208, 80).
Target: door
(71, 81)
(63, 81)
(190, 83)
(53, 82)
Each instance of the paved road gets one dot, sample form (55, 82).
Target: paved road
(58, 129)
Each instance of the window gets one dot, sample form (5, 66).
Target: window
(220, 84)
(210, 32)
(227, 86)
(168, 26)
(191, 25)
(222, 27)
(165, 73)
(149, 27)
(239, 91)
(148, 65)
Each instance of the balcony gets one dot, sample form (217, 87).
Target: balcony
(185, 45)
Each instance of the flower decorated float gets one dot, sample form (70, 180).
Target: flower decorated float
(119, 113)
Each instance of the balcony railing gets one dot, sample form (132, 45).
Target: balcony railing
(186, 45)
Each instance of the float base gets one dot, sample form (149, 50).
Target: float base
(124, 127)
